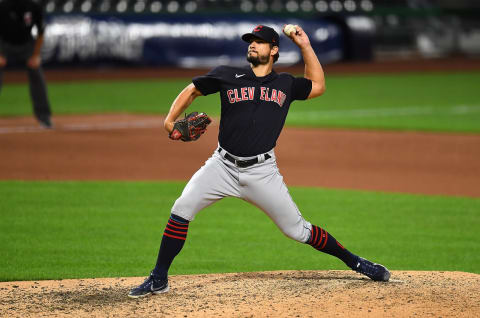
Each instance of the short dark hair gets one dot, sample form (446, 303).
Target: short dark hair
(276, 56)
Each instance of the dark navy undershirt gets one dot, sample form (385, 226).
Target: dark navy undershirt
(254, 108)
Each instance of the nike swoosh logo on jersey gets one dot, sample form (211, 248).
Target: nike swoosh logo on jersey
(238, 76)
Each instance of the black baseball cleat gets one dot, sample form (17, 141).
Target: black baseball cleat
(45, 121)
(376, 272)
(151, 285)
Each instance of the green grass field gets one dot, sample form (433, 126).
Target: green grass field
(52, 230)
(411, 101)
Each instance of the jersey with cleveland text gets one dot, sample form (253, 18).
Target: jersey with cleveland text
(254, 108)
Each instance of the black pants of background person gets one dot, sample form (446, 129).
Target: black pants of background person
(19, 55)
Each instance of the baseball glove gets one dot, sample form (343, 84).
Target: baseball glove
(191, 127)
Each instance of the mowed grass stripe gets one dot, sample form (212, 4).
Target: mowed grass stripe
(431, 95)
(52, 230)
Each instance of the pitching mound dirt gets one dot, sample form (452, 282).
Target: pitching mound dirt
(263, 294)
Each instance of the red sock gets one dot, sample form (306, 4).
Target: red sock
(325, 242)
(172, 243)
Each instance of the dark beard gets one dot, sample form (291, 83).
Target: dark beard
(257, 60)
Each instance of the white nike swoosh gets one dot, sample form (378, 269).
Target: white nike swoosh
(237, 76)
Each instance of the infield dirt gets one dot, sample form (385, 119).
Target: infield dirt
(265, 294)
(136, 147)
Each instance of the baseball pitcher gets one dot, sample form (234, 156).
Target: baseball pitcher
(254, 104)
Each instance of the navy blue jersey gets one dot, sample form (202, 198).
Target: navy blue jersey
(17, 17)
(254, 108)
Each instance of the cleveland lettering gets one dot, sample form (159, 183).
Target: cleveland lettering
(248, 93)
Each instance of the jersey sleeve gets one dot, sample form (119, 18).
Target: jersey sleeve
(301, 88)
(209, 83)
(39, 18)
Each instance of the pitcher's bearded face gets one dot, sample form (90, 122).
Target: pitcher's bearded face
(257, 59)
(259, 52)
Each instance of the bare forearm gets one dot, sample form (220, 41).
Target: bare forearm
(38, 45)
(313, 68)
(180, 104)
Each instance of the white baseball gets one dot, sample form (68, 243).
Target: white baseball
(288, 29)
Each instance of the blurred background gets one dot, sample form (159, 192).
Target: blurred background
(408, 123)
(204, 33)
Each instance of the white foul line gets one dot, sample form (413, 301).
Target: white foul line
(153, 123)
(390, 112)
(319, 114)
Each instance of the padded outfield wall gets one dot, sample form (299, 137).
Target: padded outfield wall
(188, 41)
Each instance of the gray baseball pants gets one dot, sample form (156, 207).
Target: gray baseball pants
(260, 184)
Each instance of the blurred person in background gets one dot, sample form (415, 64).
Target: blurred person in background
(18, 45)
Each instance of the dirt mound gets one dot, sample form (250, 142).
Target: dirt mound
(262, 294)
